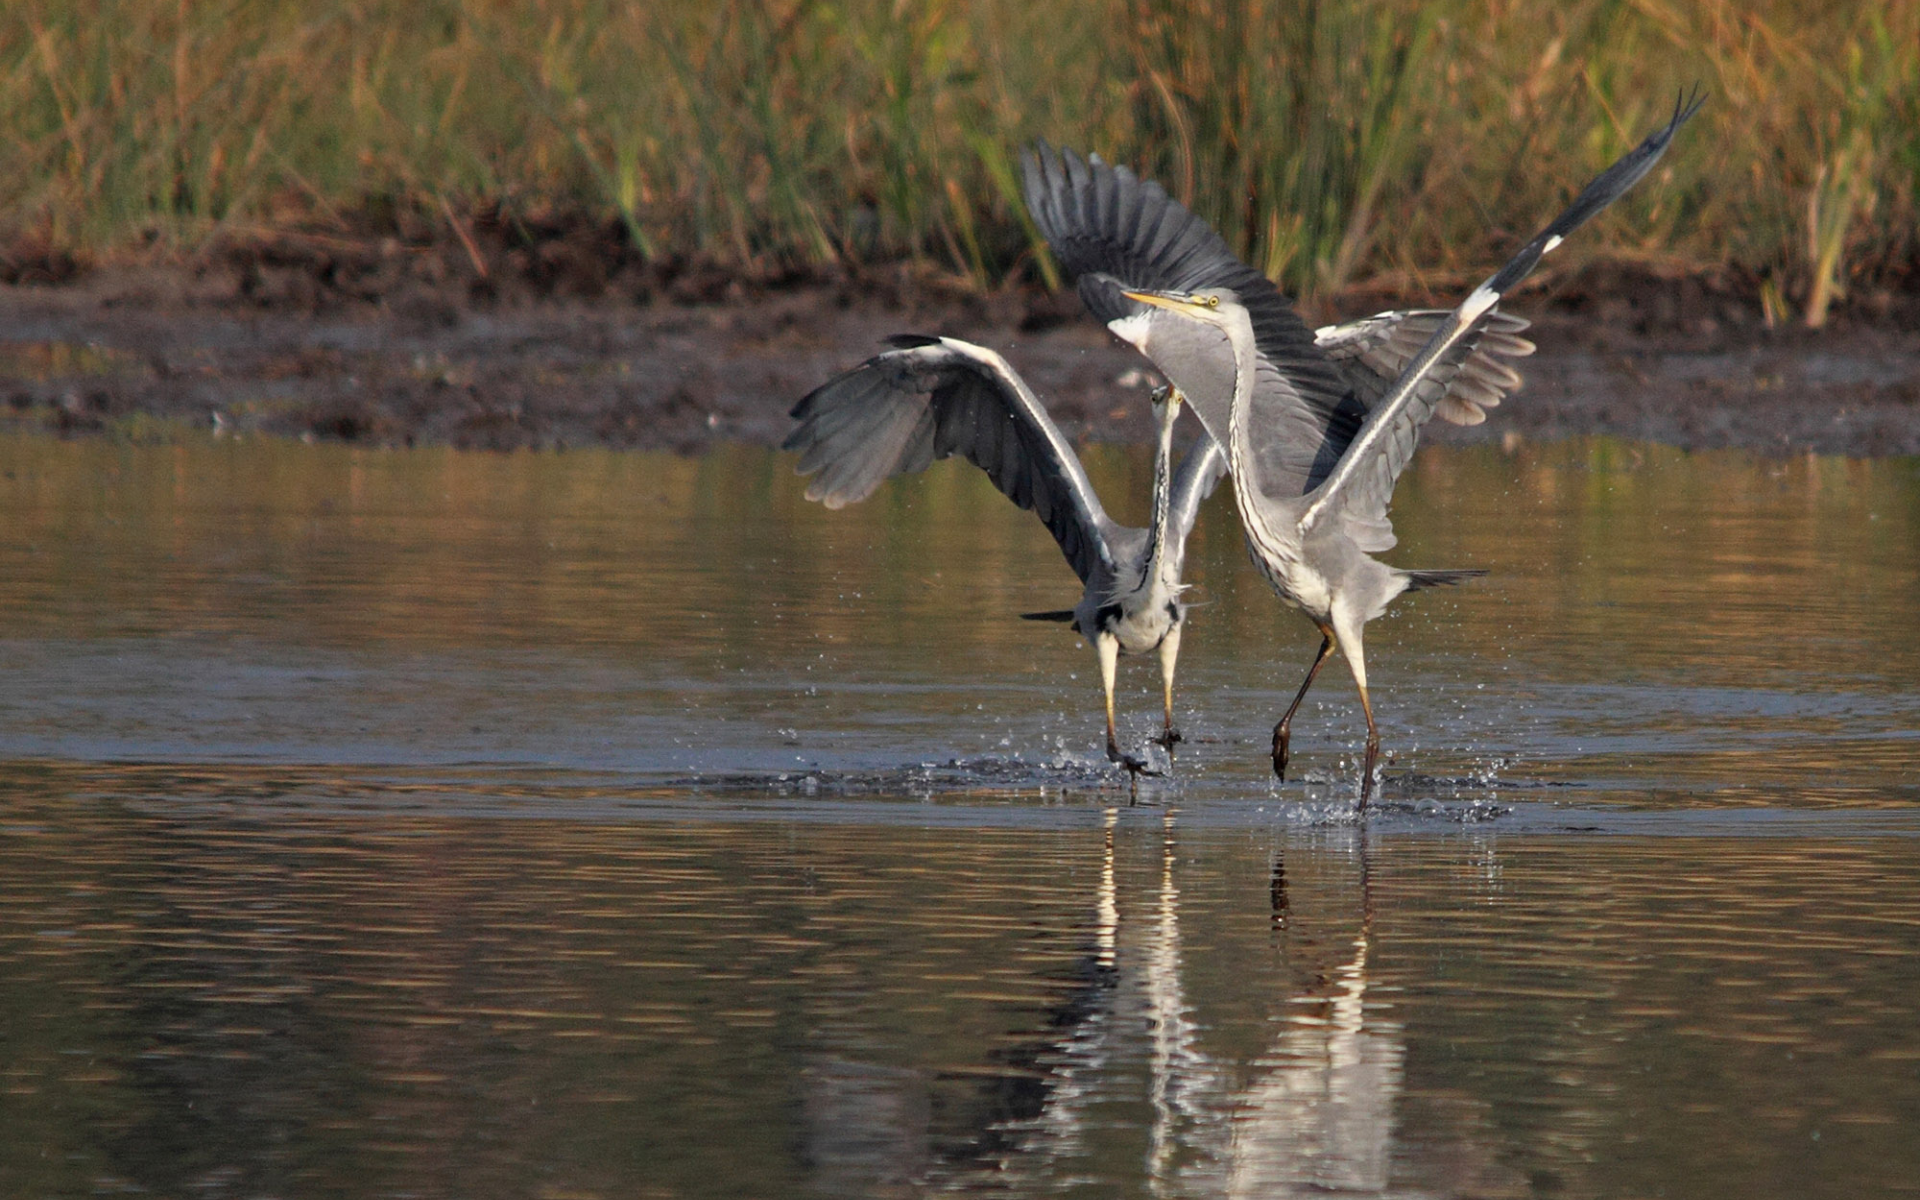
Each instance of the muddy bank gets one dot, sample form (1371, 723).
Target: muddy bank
(303, 347)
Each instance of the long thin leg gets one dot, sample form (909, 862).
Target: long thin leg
(1373, 750)
(1108, 648)
(1283, 732)
(1169, 652)
(1357, 660)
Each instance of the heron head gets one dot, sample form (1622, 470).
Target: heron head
(1203, 305)
(1168, 400)
(1193, 337)
(1211, 307)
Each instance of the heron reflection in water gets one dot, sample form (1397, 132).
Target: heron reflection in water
(1196, 1062)
(1314, 457)
(1312, 1113)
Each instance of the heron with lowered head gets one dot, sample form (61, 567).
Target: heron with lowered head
(931, 397)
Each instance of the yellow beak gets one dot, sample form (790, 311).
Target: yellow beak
(1179, 304)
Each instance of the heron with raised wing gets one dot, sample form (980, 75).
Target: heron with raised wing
(1314, 456)
(929, 398)
(932, 397)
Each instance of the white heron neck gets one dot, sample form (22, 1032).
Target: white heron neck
(1162, 563)
(1240, 454)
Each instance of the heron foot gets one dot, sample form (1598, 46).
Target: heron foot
(1281, 736)
(1168, 740)
(1134, 765)
(1368, 772)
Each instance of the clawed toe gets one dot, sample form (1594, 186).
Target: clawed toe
(1133, 764)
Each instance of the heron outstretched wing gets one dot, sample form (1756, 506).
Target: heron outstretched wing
(929, 398)
(1373, 352)
(1115, 233)
(1362, 486)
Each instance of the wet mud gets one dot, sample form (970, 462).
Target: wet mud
(570, 344)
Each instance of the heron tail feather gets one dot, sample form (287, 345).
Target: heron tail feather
(1426, 579)
(1061, 617)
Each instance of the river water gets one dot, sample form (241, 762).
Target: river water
(421, 823)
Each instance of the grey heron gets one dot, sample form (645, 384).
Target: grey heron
(932, 397)
(1314, 457)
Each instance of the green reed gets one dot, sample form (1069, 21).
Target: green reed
(1403, 142)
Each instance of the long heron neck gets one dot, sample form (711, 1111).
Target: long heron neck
(1161, 564)
(1247, 495)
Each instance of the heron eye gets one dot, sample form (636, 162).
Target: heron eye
(1213, 302)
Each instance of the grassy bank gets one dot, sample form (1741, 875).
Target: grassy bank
(1408, 141)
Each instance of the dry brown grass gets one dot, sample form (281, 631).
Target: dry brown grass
(1406, 139)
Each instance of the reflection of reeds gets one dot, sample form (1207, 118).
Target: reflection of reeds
(1331, 143)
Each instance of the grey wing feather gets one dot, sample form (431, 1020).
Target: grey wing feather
(1362, 486)
(1373, 352)
(1115, 232)
(930, 398)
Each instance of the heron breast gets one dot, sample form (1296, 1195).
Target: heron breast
(1141, 629)
(1294, 581)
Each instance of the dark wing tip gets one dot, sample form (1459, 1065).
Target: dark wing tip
(1604, 189)
(1633, 165)
(911, 341)
(799, 412)
(1686, 104)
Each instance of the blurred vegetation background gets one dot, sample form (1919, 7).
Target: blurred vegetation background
(1403, 144)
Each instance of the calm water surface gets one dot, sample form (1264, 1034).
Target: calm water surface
(428, 824)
